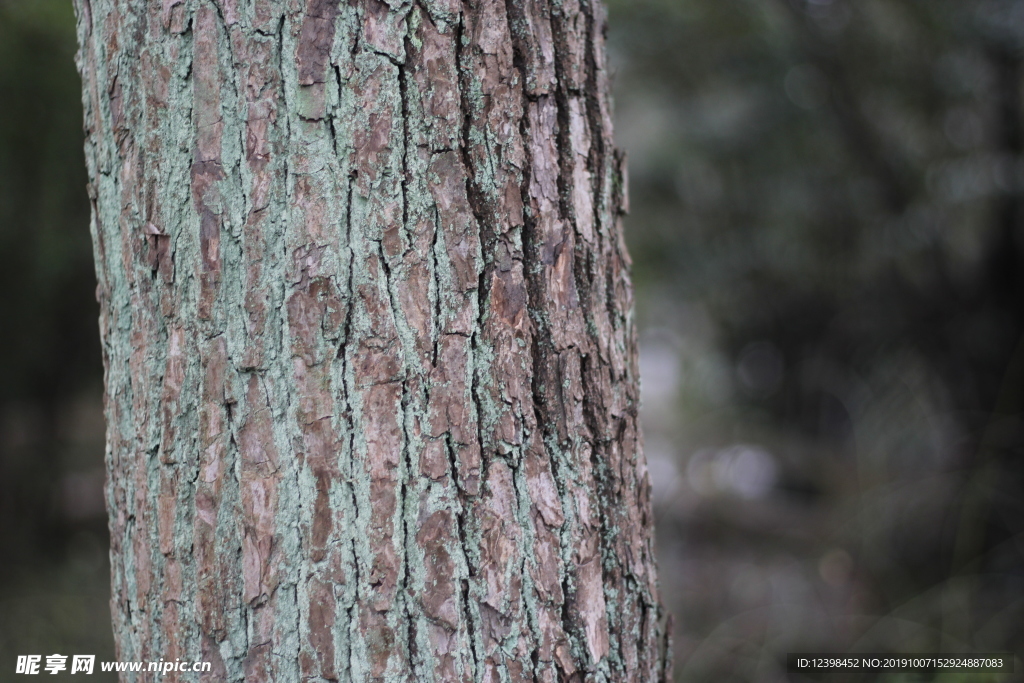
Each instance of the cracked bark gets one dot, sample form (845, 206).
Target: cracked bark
(371, 383)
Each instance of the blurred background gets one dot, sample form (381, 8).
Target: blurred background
(54, 583)
(828, 237)
(828, 234)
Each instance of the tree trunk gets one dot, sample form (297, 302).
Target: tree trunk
(371, 380)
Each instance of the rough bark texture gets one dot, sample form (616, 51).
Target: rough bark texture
(367, 328)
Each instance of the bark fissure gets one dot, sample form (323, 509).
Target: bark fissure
(473, 618)
(531, 296)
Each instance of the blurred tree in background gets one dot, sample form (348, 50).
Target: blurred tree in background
(827, 235)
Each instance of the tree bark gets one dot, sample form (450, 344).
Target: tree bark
(371, 379)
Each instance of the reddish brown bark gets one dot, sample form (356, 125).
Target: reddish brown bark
(367, 326)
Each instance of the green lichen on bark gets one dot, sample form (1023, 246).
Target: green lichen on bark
(367, 330)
